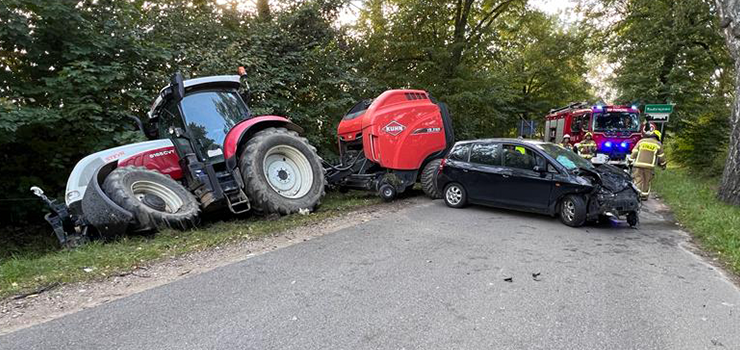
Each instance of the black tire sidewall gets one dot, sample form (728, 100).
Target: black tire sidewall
(263, 197)
(118, 188)
(429, 179)
(579, 217)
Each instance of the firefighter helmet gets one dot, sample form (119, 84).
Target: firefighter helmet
(657, 134)
(566, 136)
(588, 134)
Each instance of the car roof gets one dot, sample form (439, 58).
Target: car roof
(529, 142)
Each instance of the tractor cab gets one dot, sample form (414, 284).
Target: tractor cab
(198, 115)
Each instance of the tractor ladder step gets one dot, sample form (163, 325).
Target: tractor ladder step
(238, 202)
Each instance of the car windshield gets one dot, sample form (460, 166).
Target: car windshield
(210, 115)
(566, 158)
(616, 121)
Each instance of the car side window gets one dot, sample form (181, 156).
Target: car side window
(460, 153)
(486, 153)
(519, 157)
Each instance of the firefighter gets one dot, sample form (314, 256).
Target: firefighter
(647, 153)
(566, 143)
(587, 147)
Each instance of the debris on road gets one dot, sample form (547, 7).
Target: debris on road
(509, 279)
(536, 276)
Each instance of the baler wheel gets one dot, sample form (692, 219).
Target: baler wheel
(429, 179)
(282, 173)
(156, 200)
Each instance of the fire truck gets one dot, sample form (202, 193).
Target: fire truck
(615, 129)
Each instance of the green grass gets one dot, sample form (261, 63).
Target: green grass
(33, 270)
(693, 200)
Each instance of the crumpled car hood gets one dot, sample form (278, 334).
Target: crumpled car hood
(614, 179)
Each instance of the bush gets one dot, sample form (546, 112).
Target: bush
(702, 144)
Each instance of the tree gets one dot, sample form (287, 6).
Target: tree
(480, 57)
(668, 51)
(729, 14)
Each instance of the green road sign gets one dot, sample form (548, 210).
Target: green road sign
(659, 109)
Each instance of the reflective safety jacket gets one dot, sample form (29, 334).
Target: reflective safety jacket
(587, 149)
(648, 153)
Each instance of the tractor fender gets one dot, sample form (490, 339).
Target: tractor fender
(86, 168)
(240, 134)
(98, 210)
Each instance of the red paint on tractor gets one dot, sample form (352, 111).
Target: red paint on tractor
(231, 142)
(163, 160)
(399, 130)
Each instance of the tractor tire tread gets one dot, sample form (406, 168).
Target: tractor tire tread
(256, 186)
(429, 179)
(117, 187)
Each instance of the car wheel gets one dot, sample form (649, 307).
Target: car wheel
(455, 196)
(573, 210)
(632, 219)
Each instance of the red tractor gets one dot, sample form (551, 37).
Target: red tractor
(615, 129)
(386, 141)
(206, 152)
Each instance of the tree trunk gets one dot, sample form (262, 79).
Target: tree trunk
(263, 10)
(729, 14)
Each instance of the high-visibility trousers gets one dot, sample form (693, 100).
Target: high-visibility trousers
(642, 178)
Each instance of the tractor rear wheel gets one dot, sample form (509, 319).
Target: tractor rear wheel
(156, 200)
(429, 179)
(282, 172)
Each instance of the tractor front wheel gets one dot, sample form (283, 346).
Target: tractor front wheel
(282, 172)
(156, 200)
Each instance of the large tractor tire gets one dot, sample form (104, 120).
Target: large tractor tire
(429, 179)
(282, 172)
(156, 200)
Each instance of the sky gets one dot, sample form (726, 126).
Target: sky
(553, 7)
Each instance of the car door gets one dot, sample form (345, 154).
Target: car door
(486, 173)
(457, 168)
(529, 184)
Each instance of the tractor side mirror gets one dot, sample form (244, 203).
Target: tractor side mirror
(178, 87)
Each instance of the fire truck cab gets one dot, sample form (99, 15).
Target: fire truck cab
(615, 129)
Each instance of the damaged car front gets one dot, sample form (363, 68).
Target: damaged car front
(609, 191)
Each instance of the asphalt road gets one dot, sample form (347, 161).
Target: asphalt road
(429, 277)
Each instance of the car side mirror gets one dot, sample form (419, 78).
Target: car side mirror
(540, 169)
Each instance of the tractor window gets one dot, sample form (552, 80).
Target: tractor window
(169, 116)
(210, 115)
(460, 152)
(486, 154)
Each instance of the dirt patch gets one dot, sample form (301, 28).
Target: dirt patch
(28, 310)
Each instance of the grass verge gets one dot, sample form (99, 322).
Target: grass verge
(693, 200)
(29, 272)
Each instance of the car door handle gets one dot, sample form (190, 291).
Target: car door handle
(506, 176)
(465, 170)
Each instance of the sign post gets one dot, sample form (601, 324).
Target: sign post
(658, 114)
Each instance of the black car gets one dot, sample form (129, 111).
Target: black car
(536, 176)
